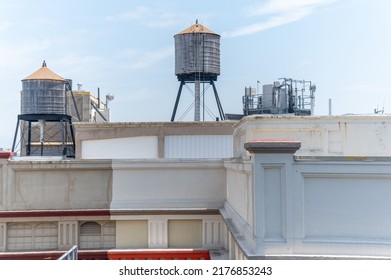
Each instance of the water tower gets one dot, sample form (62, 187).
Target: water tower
(197, 60)
(45, 127)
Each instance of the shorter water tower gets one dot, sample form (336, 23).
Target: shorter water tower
(197, 60)
(45, 127)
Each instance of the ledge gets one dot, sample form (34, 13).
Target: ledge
(283, 146)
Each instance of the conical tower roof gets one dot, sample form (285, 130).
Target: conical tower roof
(44, 73)
(197, 28)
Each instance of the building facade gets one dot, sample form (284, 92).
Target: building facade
(264, 187)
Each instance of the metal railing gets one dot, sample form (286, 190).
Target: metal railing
(70, 255)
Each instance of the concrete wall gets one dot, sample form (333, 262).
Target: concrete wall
(162, 140)
(342, 207)
(119, 184)
(50, 185)
(168, 184)
(331, 198)
(320, 135)
(311, 206)
(45, 204)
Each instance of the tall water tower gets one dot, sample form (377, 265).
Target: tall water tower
(46, 128)
(197, 60)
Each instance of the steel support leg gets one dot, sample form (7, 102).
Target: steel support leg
(221, 112)
(177, 100)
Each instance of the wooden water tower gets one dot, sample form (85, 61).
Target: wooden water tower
(45, 127)
(197, 60)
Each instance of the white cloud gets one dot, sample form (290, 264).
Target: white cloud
(148, 17)
(286, 6)
(141, 60)
(4, 25)
(140, 12)
(19, 55)
(278, 12)
(365, 88)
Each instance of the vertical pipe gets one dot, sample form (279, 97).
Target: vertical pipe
(98, 98)
(29, 139)
(203, 99)
(65, 151)
(197, 101)
(63, 138)
(203, 78)
(312, 99)
(330, 107)
(41, 133)
(66, 96)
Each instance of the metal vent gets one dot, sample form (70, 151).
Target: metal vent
(90, 229)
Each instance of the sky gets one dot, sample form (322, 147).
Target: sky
(126, 48)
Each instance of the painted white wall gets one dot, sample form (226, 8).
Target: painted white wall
(121, 148)
(343, 208)
(366, 135)
(198, 146)
(313, 207)
(168, 184)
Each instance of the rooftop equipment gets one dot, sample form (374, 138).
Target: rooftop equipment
(286, 96)
(197, 60)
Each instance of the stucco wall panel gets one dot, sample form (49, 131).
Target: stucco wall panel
(347, 207)
(40, 187)
(185, 234)
(168, 184)
(132, 234)
(347, 135)
(198, 146)
(58, 185)
(120, 148)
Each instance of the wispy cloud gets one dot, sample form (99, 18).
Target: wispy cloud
(365, 88)
(142, 60)
(4, 25)
(138, 13)
(20, 55)
(276, 13)
(151, 17)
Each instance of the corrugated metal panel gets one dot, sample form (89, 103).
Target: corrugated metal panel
(198, 146)
(121, 148)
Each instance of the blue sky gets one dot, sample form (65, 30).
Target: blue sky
(127, 48)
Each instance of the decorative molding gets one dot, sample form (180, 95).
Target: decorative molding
(272, 146)
(67, 235)
(53, 213)
(274, 202)
(164, 212)
(157, 233)
(3, 237)
(213, 233)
